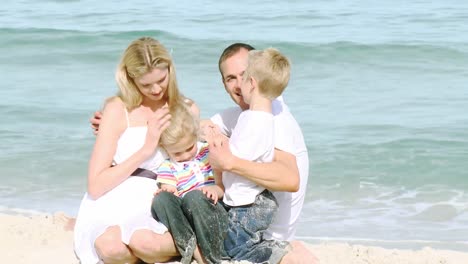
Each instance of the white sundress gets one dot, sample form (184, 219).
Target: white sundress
(128, 205)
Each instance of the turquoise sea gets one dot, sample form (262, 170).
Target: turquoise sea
(380, 89)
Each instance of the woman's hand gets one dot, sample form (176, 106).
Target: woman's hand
(156, 125)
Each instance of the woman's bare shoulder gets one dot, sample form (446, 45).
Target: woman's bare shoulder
(114, 110)
(114, 105)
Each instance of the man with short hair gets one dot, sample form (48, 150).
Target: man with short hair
(286, 175)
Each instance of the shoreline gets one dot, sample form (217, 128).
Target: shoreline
(392, 244)
(45, 238)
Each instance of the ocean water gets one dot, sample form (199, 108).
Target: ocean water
(379, 89)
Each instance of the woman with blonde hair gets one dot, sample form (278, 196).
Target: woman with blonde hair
(114, 223)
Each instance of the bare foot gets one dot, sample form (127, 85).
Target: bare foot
(299, 254)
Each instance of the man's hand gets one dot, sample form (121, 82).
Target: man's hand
(95, 120)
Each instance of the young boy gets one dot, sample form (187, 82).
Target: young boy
(252, 207)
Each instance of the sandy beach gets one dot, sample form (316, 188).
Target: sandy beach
(44, 239)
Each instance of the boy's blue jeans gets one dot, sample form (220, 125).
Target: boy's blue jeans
(193, 220)
(244, 240)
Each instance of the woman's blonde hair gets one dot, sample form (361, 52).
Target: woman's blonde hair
(142, 56)
(183, 123)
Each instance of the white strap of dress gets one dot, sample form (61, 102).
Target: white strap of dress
(126, 115)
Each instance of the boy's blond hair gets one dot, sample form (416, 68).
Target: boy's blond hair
(141, 57)
(270, 69)
(183, 123)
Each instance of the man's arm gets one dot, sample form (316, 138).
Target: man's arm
(95, 121)
(281, 174)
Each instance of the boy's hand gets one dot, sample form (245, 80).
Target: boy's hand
(210, 192)
(95, 120)
(208, 130)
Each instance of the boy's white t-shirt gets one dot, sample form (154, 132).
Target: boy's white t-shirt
(287, 137)
(252, 139)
